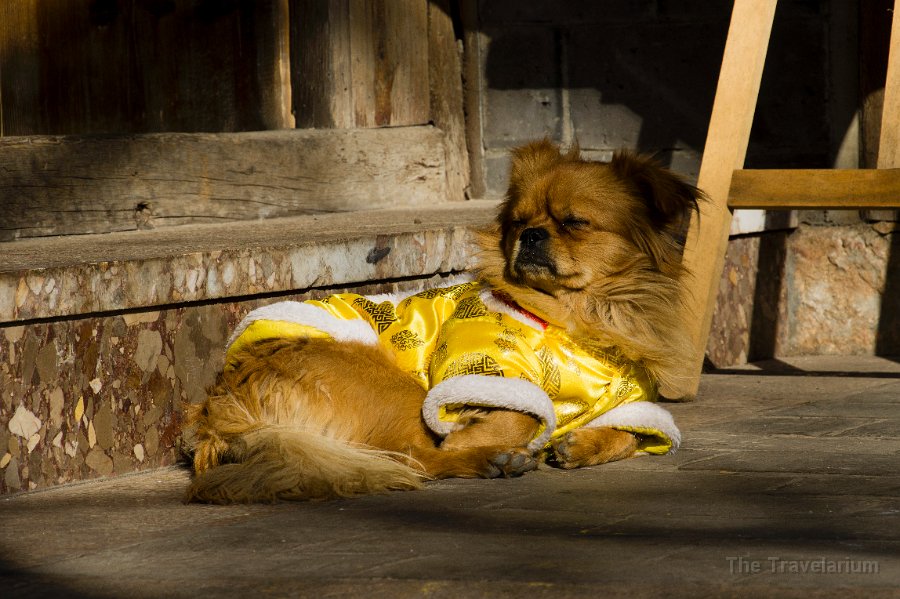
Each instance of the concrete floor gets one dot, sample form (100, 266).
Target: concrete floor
(787, 474)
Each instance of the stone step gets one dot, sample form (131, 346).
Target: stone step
(104, 337)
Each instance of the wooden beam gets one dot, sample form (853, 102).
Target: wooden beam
(76, 185)
(726, 147)
(815, 189)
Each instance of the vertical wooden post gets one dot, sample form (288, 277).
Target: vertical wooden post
(474, 42)
(874, 40)
(19, 65)
(359, 63)
(874, 52)
(274, 67)
(889, 157)
(889, 142)
(320, 70)
(726, 147)
(445, 84)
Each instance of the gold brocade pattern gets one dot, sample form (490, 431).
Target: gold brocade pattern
(473, 364)
(381, 315)
(506, 341)
(625, 386)
(470, 307)
(440, 354)
(453, 293)
(550, 377)
(405, 340)
(568, 410)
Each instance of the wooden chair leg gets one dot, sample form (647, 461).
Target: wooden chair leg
(725, 149)
(889, 139)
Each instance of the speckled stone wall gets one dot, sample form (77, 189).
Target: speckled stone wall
(749, 316)
(100, 396)
(844, 291)
(80, 274)
(810, 291)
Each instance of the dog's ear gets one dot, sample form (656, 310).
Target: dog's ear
(670, 200)
(531, 160)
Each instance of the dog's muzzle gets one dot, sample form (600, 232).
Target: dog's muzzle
(533, 250)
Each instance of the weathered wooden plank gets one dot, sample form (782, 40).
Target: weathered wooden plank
(320, 70)
(445, 76)
(75, 185)
(273, 64)
(360, 63)
(389, 62)
(474, 41)
(19, 66)
(815, 189)
(83, 67)
(725, 149)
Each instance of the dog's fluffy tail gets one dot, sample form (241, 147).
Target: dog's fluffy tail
(279, 462)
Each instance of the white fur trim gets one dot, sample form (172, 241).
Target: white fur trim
(489, 391)
(393, 298)
(340, 330)
(641, 414)
(494, 305)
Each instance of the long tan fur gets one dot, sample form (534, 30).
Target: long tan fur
(317, 419)
(280, 462)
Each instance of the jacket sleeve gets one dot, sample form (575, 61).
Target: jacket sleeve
(481, 363)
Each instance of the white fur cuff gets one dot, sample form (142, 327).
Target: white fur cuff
(638, 416)
(489, 392)
(357, 330)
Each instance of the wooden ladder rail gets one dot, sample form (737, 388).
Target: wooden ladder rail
(729, 187)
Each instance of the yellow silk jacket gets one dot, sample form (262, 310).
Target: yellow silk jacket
(468, 346)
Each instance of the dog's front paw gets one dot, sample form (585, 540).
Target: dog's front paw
(510, 463)
(592, 446)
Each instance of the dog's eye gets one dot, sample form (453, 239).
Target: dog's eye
(574, 223)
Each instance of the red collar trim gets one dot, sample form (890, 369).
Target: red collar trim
(509, 302)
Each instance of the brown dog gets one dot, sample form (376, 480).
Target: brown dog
(559, 347)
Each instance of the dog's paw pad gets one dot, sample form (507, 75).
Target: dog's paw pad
(563, 454)
(592, 446)
(515, 462)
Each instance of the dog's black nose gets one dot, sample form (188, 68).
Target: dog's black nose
(531, 237)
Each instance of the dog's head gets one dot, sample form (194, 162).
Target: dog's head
(568, 223)
(596, 248)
